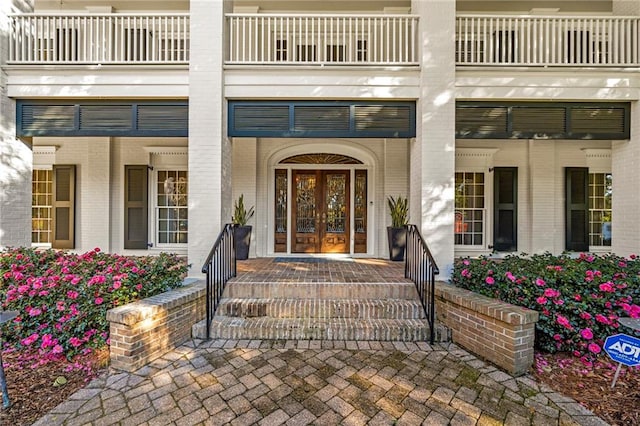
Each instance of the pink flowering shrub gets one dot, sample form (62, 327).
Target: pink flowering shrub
(579, 299)
(62, 298)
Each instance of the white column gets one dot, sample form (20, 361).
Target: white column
(95, 212)
(209, 148)
(626, 7)
(16, 158)
(625, 167)
(543, 201)
(625, 159)
(432, 156)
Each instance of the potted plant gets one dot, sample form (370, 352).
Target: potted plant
(242, 231)
(397, 232)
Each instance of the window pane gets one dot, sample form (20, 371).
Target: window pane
(600, 194)
(171, 205)
(469, 215)
(41, 203)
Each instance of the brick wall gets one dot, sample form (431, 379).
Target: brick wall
(145, 330)
(501, 333)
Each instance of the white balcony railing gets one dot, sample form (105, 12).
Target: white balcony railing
(99, 39)
(294, 39)
(547, 40)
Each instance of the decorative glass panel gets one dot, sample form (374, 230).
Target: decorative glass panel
(281, 201)
(321, 158)
(336, 186)
(41, 202)
(600, 194)
(360, 207)
(306, 203)
(172, 207)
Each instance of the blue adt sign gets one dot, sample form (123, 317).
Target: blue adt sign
(624, 349)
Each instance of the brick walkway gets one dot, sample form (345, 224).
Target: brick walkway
(317, 382)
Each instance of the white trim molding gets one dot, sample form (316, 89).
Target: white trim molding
(167, 150)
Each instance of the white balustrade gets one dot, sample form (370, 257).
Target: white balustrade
(337, 39)
(295, 39)
(547, 40)
(99, 39)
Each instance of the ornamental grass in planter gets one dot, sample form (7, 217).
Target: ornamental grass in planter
(242, 231)
(397, 232)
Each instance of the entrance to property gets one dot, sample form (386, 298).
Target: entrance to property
(321, 204)
(320, 211)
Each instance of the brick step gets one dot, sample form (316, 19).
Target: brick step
(321, 308)
(320, 290)
(317, 329)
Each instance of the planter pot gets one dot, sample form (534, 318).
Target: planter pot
(242, 240)
(397, 238)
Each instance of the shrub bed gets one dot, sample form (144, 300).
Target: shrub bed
(62, 298)
(579, 299)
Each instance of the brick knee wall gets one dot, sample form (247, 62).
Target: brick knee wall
(145, 330)
(499, 332)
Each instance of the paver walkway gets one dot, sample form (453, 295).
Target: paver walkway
(317, 382)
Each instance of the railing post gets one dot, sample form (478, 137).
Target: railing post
(220, 267)
(420, 267)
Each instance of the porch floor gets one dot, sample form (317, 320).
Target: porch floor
(320, 270)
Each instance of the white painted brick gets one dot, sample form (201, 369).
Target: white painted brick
(625, 157)
(432, 154)
(15, 156)
(626, 7)
(209, 149)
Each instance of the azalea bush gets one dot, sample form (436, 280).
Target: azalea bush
(63, 298)
(579, 299)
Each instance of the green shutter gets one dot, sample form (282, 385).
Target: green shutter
(577, 209)
(136, 207)
(63, 213)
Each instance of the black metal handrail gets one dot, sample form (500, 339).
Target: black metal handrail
(421, 268)
(220, 267)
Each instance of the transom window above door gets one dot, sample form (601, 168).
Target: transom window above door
(320, 159)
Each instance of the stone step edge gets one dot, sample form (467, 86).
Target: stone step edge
(321, 308)
(277, 290)
(303, 329)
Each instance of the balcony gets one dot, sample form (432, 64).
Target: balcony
(546, 41)
(62, 39)
(325, 40)
(337, 40)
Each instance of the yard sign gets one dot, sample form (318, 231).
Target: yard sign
(623, 349)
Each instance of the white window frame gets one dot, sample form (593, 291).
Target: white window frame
(44, 157)
(156, 208)
(599, 247)
(598, 161)
(164, 158)
(485, 212)
(43, 245)
(477, 160)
